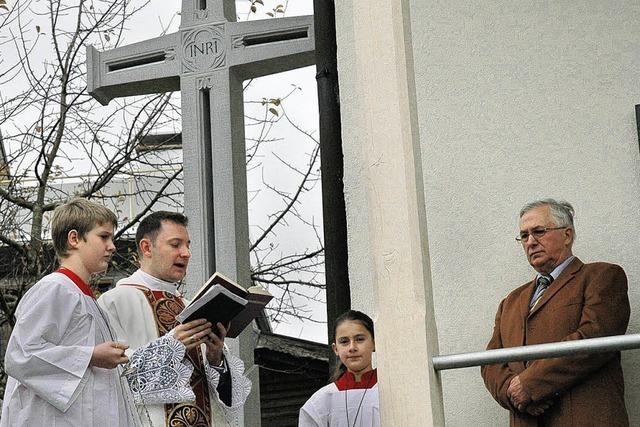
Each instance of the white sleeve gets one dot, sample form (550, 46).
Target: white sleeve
(240, 386)
(159, 373)
(308, 416)
(315, 411)
(51, 344)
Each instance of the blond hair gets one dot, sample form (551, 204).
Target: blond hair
(80, 215)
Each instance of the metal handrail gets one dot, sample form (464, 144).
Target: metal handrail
(537, 351)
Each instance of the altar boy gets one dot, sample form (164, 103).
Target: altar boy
(61, 356)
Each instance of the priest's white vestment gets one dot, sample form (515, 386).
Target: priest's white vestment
(50, 381)
(134, 322)
(344, 403)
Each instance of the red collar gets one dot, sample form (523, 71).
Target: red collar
(77, 280)
(348, 381)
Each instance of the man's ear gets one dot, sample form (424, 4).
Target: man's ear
(334, 348)
(569, 235)
(145, 247)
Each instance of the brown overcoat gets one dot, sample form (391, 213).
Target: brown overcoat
(585, 301)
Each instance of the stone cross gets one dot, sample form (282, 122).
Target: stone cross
(207, 60)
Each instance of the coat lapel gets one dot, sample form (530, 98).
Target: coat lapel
(565, 277)
(521, 306)
(524, 302)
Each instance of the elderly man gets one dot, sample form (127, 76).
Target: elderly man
(567, 300)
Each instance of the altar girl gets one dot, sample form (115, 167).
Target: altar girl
(351, 399)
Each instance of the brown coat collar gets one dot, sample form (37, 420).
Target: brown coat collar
(565, 277)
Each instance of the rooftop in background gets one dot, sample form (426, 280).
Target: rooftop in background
(161, 141)
(291, 370)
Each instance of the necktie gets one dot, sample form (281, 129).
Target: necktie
(543, 283)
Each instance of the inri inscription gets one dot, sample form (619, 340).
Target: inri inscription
(203, 48)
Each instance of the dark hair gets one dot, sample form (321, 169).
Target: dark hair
(150, 226)
(354, 316)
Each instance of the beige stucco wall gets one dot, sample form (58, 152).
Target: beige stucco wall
(515, 101)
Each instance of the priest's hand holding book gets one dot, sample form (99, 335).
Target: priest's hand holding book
(196, 332)
(192, 334)
(215, 345)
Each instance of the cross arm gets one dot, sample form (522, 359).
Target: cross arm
(151, 66)
(275, 44)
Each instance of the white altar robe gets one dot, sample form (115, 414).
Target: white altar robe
(133, 323)
(50, 382)
(329, 406)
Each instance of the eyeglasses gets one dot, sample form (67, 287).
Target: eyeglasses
(537, 233)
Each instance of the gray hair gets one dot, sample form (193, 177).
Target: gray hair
(561, 211)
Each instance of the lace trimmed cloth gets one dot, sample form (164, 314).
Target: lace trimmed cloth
(159, 373)
(241, 385)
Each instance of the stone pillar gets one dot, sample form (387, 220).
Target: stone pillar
(384, 186)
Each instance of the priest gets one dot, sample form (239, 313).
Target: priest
(204, 384)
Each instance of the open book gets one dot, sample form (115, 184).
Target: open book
(222, 300)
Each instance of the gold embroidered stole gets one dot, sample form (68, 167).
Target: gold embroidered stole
(165, 306)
